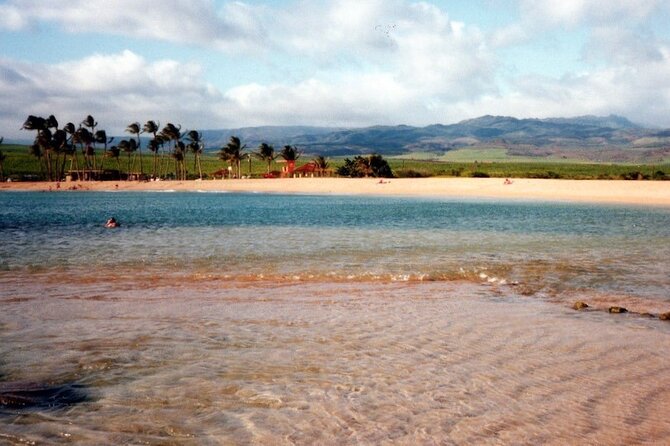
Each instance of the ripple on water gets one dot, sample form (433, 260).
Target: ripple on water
(335, 362)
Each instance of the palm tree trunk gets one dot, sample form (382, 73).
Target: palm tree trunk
(139, 149)
(62, 167)
(197, 157)
(47, 161)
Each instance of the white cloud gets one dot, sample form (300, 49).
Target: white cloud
(117, 89)
(641, 93)
(236, 27)
(593, 12)
(358, 63)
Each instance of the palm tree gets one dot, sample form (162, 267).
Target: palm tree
(55, 143)
(101, 137)
(154, 146)
(85, 139)
(233, 153)
(91, 124)
(135, 129)
(267, 153)
(290, 155)
(171, 133)
(196, 147)
(60, 146)
(36, 151)
(114, 152)
(35, 123)
(152, 127)
(70, 148)
(128, 146)
(178, 154)
(321, 163)
(41, 147)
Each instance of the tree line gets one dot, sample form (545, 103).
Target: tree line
(54, 147)
(75, 149)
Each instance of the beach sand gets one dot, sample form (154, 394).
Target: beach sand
(655, 193)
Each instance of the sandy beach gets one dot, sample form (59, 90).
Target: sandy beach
(652, 193)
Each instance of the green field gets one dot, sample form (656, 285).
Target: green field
(20, 165)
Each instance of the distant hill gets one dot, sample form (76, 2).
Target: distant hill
(254, 136)
(502, 131)
(608, 138)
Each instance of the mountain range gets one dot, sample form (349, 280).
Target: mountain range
(597, 132)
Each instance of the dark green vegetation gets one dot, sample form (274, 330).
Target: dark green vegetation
(81, 152)
(20, 165)
(365, 166)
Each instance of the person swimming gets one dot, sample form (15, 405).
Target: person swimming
(112, 223)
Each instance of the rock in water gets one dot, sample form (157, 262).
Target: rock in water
(579, 305)
(617, 310)
(36, 396)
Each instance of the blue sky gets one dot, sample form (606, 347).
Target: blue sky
(214, 64)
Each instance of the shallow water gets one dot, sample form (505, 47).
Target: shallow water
(254, 319)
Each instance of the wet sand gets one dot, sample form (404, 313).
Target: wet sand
(654, 193)
(230, 362)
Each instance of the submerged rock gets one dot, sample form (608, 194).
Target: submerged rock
(37, 396)
(664, 316)
(617, 310)
(579, 305)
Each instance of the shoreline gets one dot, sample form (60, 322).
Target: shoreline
(648, 193)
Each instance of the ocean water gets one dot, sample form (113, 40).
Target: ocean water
(218, 318)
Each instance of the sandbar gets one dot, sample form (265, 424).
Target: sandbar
(648, 193)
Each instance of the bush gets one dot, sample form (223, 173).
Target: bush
(660, 175)
(369, 166)
(479, 174)
(634, 175)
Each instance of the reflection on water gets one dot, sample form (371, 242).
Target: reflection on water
(250, 319)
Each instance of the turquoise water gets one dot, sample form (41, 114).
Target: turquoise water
(213, 318)
(545, 248)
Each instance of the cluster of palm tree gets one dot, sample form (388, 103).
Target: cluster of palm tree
(165, 141)
(165, 144)
(234, 152)
(52, 146)
(169, 146)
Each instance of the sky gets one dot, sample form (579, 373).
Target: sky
(208, 64)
